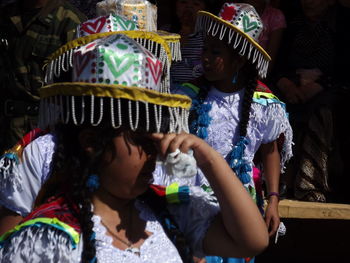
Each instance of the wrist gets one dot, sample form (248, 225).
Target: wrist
(273, 196)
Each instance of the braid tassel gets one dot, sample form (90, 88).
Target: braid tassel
(200, 125)
(241, 167)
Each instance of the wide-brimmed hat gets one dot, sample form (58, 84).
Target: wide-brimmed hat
(108, 73)
(240, 25)
(165, 46)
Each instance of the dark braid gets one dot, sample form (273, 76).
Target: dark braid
(247, 99)
(80, 194)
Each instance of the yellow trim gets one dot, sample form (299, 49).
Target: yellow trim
(115, 91)
(169, 37)
(171, 193)
(229, 25)
(44, 220)
(259, 94)
(132, 34)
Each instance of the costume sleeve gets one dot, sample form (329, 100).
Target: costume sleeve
(195, 217)
(20, 185)
(276, 126)
(39, 244)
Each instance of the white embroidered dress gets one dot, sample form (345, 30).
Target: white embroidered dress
(268, 121)
(46, 244)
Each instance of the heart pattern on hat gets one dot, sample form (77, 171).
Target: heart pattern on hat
(118, 64)
(228, 13)
(242, 17)
(249, 25)
(125, 24)
(155, 67)
(94, 27)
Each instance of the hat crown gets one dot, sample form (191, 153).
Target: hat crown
(244, 17)
(103, 24)
(117, 60)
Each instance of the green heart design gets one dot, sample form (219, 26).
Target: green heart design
(247, 25)
(118, 64)
(125, 24)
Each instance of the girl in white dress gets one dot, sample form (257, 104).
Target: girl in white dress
(111, 123)
(235, 113)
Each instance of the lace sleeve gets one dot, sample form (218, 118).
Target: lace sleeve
(276, 126)
(19, 190)
(195, 217)
(39, 245)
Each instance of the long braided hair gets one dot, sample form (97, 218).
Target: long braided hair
(251, 83)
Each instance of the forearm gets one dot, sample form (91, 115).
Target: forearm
(271, 163)
(241, 217)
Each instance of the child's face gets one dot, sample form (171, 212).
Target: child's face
(128, 172)
(218, 60)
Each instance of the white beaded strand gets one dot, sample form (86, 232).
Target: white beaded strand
(101, 114)
(238, 40)
(131, 124)
(71, 58)
(82, 110)
(223, 32)
(73, 110)
(158, 117)
(172, 120)
(215, 29)
(147, 116)
(92, 109)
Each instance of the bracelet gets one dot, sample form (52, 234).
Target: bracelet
(273, 194)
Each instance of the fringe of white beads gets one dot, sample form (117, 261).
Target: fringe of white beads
(215, 28)
(53, 110)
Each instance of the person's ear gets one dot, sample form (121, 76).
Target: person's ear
(87, 141)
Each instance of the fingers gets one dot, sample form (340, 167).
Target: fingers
(168, 143)
(163, 142)
(274, 226)
(272, 220)
(272, 223)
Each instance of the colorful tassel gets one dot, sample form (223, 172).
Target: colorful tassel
(235, 159)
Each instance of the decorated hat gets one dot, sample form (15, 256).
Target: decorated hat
(144, 14)
(165, 46)
(241, 26)
(117, 78)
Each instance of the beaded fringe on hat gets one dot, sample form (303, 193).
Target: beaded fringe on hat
(65, 109)
(235, 39)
